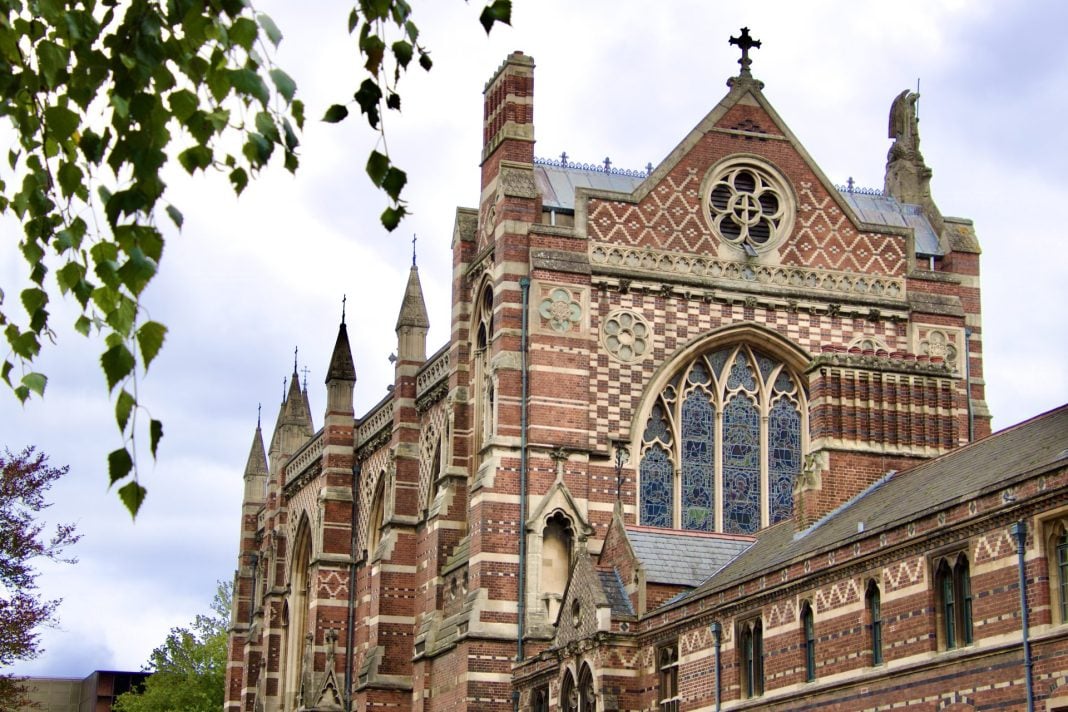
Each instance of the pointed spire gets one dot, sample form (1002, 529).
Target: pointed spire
(256, 469)
(341, 365)
(257, 456)
(413, 308)
(296, 408)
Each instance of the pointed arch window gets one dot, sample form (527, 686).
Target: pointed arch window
(376, 518)
(569, 694)
(1057, 556)
(587, 695)
(297, 624)
(751, 657)
(953, 589)
(484, 386)
(722, 444)
(873, 602)
(808, 630)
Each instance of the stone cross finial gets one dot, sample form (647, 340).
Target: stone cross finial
(414, 238)
(745, 43)
(305, 371)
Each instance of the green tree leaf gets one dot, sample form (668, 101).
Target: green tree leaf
(176, 216)
(118, 363)
(155, 434)
(497, 11)
(377, 167)
(132, 495)
(284, 84)
(335, 113)
(35, 382)
(120, 464)
(150, 340)
(394, 182)
(273, 33)
(124, 405)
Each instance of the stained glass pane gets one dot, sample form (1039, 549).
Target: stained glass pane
(656, 427)
(784, 458)
(657, 488)
(766, 366)
(741, 374)
(741, 466)
(783, 383)
(698, 457)
(718, 360)
(699, 374)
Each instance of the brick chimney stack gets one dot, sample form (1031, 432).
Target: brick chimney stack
(508, 121)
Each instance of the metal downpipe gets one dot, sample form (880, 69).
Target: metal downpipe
(1019, 530)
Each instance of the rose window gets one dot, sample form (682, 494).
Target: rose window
(625, 335)
(749, 206)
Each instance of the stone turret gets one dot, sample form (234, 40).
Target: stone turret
(340, 377)
(256, 471)
(412, 322)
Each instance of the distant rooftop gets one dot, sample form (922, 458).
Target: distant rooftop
(557, 180)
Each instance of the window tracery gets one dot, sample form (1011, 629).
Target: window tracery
(723, 444)
(749, 204)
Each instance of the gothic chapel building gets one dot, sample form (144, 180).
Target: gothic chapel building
(709, 436)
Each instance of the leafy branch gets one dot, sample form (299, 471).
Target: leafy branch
(99, 95)
(388, 41)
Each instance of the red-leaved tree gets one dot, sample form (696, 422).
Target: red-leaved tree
(24, 541)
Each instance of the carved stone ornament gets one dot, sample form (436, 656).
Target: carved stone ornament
(626, 336)
(518, 182)
(561, 310)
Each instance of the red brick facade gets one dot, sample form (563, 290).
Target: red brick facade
(390, 562)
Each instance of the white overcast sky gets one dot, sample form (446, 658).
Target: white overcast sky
(248, 279)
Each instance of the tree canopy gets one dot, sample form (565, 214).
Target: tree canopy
(189, 668)
(25, 479)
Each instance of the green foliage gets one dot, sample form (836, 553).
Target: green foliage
(100, 95)
(189, 669)
(375, 23)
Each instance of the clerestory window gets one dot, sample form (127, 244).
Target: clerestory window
(953, 590)
(722, 445)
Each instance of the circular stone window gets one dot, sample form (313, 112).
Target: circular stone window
(625, 335)
(749, 204)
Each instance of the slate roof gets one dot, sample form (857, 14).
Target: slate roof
(885, 210)
(616, 593)
(557, 185)
(991, 463)
(683, 558)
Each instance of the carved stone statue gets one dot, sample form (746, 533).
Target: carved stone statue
(903, 120)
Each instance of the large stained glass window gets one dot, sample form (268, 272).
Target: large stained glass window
(722, 445)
